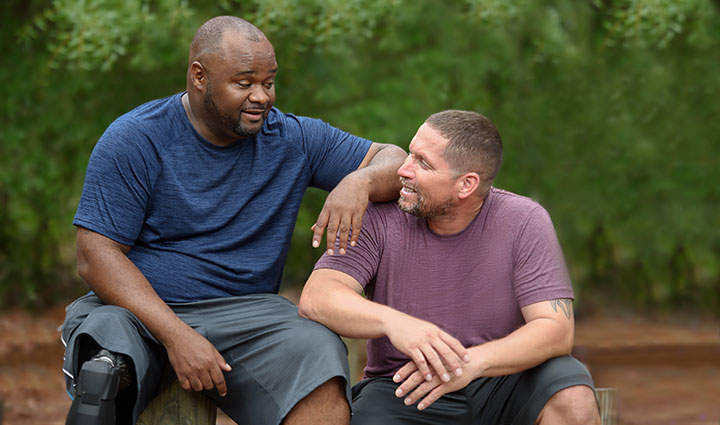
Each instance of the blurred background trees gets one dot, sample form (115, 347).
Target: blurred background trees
(608, 109)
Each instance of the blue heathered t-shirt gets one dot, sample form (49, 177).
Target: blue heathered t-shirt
(206, 221)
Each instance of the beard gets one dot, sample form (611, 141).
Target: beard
(421, 207)
(228, 122)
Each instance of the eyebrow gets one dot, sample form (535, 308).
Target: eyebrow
(251, 72)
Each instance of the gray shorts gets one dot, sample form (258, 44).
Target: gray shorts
(513, 399)
(277, 357)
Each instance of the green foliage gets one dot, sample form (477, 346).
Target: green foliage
(607, 108)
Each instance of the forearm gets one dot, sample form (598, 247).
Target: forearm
(343, 310)
(117, 281)
(379, 176)
(530, 345)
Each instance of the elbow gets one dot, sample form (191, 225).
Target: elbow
(567, 345)
(306, 307)
(83, 266)
(566, 342)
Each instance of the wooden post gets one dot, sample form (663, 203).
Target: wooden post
(175, 406)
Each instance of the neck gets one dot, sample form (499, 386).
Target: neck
(457, 221)
(200, 126)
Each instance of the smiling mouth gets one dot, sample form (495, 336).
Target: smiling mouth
(254, 114)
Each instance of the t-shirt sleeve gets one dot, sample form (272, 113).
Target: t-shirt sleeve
(361, 261)
(332, 153)
(117, 184)
(539, 272)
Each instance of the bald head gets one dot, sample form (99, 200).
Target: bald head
(208, 38)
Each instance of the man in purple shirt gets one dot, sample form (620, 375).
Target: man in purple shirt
(468, 306)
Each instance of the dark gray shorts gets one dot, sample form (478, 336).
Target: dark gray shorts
(513, 399)
(277, 357)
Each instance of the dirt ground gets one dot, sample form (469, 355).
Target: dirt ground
(665, 372)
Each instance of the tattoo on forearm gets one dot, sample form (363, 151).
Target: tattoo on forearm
(564, 304)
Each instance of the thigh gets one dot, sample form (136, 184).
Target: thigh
(277, 357)
(518, 399)
(90, 324)
(374, 402)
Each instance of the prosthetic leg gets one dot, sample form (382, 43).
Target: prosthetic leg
(98, 383)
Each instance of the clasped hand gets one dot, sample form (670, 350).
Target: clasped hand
(437, 358)
(415, 386)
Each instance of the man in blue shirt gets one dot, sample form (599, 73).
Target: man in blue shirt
(184, 224)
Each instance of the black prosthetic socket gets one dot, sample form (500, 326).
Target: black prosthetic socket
(98, 383)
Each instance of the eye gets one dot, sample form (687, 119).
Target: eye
(268, 85)
(244, 84)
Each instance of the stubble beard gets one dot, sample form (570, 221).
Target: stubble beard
(226, 121)
(421, 208)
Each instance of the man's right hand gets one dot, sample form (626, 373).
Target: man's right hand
(198, 365)
(428, 346)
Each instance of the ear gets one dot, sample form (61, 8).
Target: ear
(468, 184)
(197, 76)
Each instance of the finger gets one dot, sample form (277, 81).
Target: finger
(432, 397)
(184, 383)
(217, 376)
(222, 363)
(410, 383)
(421, 391)
(196, 383)
(356, 228)
(331, 234)
(449, 358)
(343, 233)
(419, 358)
(456, 346)
(433, 357)
(318, 228)
(218, 381)
(404, 372)
(207, 380)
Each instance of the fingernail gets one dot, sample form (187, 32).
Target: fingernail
(342, 251)
(398, 393)
(396, 378)
(458, 372)
(467, 358)
(421, 406)
(330, 252)
(408, 401)
(445, 377)
(316, 244)
(352, 243)
(428, 377)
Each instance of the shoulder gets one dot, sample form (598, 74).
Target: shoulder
(386, 211)
(153, 121)
(140, 136)
(511, 205)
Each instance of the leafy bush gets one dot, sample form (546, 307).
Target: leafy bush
(607, 108)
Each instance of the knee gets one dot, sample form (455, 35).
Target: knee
(316, 341)
(576, 405)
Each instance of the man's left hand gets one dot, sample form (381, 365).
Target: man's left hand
(415, 387)
(342, 212)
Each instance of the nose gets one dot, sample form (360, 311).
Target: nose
(405, 169)
(258, 95)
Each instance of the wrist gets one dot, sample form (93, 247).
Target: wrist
(360, 180)
(478, 365)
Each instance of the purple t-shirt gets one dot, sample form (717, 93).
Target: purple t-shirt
(471, 284)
